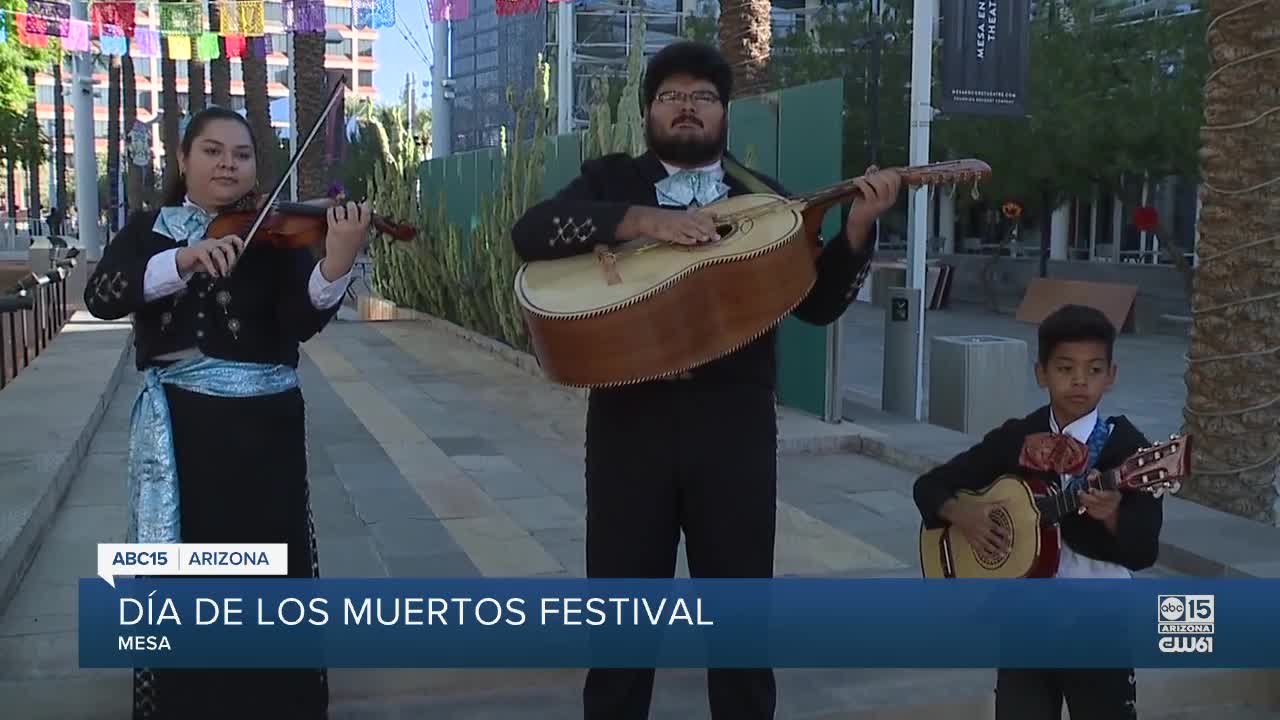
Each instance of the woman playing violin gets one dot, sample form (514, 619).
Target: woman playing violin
(218, 323)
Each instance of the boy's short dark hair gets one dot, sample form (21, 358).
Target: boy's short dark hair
(1074, 323)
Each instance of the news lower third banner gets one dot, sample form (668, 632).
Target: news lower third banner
(264, 622)
(985, 46)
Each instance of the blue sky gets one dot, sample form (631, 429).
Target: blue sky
(397, 56)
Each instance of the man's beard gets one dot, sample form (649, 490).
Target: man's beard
(686, 151)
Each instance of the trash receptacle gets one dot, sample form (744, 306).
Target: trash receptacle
(976, 382)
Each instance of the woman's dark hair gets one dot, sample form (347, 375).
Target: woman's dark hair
(687, 57)
(177, 191)
(1075, 323)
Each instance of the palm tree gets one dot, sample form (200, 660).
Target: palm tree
(310, 94)
(220, 68)
(746, 28)
(256, 106)
(1233, 372)
(59, 136)
(169, 123)
(195, 85)
(113, 141)
(132, 172)
(35, 153)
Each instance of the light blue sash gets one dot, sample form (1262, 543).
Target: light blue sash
(153, 473)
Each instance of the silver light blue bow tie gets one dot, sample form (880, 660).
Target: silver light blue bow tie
(691, 187)
(185, 224)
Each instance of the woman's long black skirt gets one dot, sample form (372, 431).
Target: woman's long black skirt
(242, 473)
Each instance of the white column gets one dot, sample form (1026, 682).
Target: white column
(1060, 225)
(1143, 236)
(947, 221)
(564, 67)
(1093, 223)
(1117, 229)
(922, 36)
(86, 160)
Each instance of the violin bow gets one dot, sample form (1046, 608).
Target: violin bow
(297, 156)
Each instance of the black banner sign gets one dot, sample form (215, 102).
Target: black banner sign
(984, 56)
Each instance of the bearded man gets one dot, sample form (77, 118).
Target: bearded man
(694, 453)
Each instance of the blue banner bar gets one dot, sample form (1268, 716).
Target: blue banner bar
(575, 623)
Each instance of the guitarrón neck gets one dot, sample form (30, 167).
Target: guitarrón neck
(1060, 503)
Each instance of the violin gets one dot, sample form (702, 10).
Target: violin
(294, 225)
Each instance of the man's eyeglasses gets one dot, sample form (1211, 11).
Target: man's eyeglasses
(678, 97)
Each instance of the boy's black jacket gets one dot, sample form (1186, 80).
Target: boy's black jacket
(1136, 543)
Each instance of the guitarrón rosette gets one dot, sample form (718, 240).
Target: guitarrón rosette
(1053, 452)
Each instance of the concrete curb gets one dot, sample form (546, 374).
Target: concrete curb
(18, 549)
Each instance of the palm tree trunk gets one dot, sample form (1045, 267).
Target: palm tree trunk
(34, 158)
(195, 85)
(59, 136)
(133, 172)
(1233, 374)
(259, 115)
(309, 87)
(113, 143)
(169, 123)
(746, 28)
(220, 68)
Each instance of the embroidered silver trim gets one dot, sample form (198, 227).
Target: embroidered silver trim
(570, 231)
(107, 288)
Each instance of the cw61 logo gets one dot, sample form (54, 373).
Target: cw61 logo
(1186, 609)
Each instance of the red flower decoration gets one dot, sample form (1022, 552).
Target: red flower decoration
(1146, 218)
(1054, 452)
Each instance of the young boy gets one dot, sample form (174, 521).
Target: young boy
(1118, 533)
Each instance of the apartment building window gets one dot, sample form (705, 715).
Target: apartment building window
(144, 100)
(487, 60)
(237, 72)
(346, 47)
(366, 48)
(366, 78)
(274, 12)
(44, 94)
(237, 102)
(280, 74)
(279, 42)
(100, 128)
(338, 16)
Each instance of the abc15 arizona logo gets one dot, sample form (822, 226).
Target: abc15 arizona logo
(1186, 623)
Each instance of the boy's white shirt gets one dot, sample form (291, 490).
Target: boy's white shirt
(1070, 563)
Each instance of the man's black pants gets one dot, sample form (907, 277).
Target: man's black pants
(670, 457)
(1091, 694)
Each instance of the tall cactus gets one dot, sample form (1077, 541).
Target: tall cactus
(463, 274)
(626, 134)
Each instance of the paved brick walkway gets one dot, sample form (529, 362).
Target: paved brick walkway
(431, 459)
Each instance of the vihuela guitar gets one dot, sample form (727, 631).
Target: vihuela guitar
(647, 309)
(1030, 509)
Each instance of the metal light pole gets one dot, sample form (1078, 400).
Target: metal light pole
(918, 219)
(86, 159)
(441, 94)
